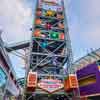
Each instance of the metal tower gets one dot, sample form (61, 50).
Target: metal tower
(50, 47)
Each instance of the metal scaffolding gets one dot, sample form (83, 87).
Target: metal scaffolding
(48, 52)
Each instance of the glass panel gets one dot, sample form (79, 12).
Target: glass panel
(3, 77)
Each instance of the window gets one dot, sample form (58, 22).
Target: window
(87, 80)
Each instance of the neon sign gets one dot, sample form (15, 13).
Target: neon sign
(50, 85)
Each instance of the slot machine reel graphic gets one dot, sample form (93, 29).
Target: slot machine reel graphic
(38, 12)
(44, 44)
(60, 16)
(54, 35)
(61, 36)
(48, 26)
(50, 13)
(38, 21)
(37, 33)
(61, 25)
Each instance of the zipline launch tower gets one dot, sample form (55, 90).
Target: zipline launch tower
(50, 51)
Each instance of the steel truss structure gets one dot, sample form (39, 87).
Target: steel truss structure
(48, 51)
(45, 60)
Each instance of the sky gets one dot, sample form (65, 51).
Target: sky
(16, 18)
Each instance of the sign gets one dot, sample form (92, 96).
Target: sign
(55, 5)
(71, 82)
(32, 79)
(57, 2)
(50, 85)
(3, 77)
(52, 7)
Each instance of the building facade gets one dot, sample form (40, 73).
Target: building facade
(8, 85)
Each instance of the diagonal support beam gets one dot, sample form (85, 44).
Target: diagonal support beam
(48, 56)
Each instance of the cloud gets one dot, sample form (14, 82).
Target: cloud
(84, 22)
(91, 37)
(90, 8)
(15, 20)
(91, 22)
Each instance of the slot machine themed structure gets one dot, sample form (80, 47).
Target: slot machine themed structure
(50, 48)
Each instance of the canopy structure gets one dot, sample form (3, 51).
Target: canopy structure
(88, 59)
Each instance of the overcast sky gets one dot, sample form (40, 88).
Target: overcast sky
(16, 18)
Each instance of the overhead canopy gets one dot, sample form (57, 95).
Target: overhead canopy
(88, 59)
